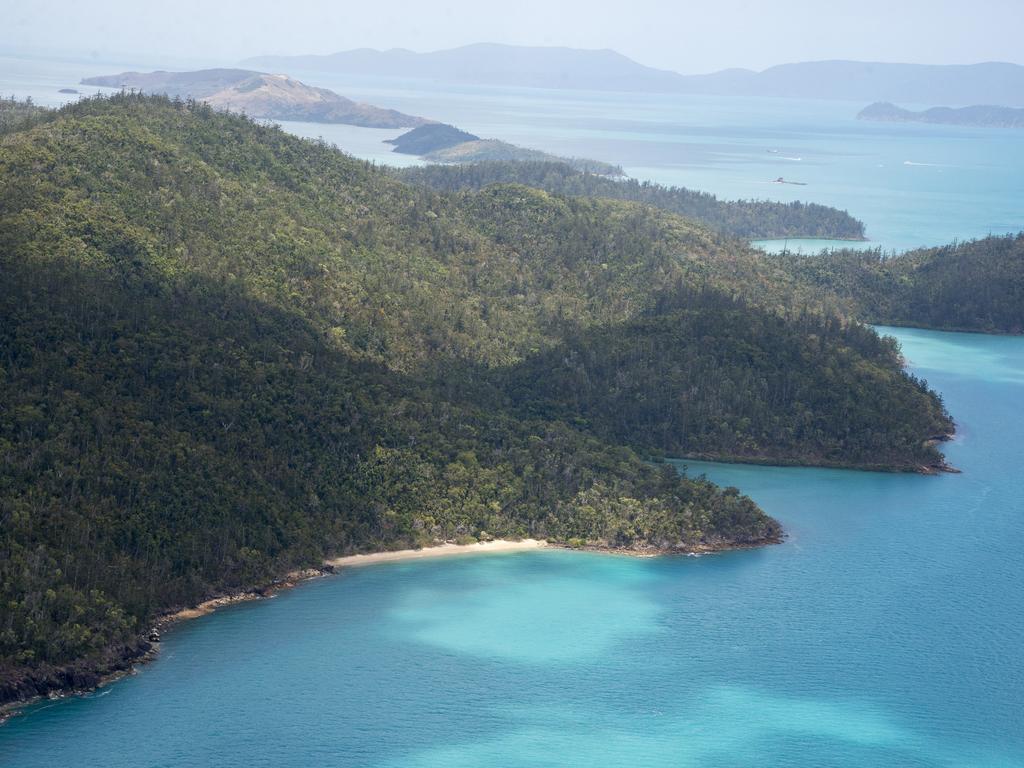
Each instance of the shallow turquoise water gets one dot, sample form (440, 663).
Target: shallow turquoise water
(887, 630)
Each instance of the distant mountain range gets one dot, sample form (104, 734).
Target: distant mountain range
(989, 83)
(277, 97)
(489, 64)
(493, 64)
(981, 115)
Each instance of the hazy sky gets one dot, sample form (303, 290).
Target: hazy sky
(681, 35)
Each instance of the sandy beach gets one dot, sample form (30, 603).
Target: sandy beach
(296, 577)
(442, 550)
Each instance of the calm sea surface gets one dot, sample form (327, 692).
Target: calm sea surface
(887, 630)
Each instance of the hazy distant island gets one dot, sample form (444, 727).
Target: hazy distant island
(442, 143)
(277, 97)
(985, 116)
(607, 70)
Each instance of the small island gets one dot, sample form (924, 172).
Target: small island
(67, 90)
(442, 143)
(427, 139)
(275, 97)
(982, 116)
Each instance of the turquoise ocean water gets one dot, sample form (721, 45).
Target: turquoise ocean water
(887, 630)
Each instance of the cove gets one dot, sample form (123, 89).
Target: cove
(886, 630)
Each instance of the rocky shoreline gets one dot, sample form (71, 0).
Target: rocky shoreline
(769, 461)
(53, 682)
(941, 466)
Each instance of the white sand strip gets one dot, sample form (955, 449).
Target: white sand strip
(442, 550)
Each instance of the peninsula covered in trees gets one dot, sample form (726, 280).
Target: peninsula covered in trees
(751, 219)
(971, 286)
(275, 97)
(251, 351)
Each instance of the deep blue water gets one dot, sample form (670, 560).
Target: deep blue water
(887, 630)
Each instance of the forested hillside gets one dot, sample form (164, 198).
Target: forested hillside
(226, 352)
(972, 286)
(743, 218)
